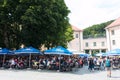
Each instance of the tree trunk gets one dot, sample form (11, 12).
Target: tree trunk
(6, 42)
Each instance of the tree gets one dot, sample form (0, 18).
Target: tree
(45, 22)
(34, 22)
(8, 23)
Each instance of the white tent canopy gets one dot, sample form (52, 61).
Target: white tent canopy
(72, 50)
(76, 52)
(100, 54)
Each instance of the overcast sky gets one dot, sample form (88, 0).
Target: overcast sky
(85, 13)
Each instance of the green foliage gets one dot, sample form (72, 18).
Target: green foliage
(46, 22)
(8, 23)
(34, 22)
(97, 30)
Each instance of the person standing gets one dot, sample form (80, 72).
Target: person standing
(91, 64)
(108, 64)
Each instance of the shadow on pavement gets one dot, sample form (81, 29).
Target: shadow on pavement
(115, 76)
(78, 71)
(84, 70)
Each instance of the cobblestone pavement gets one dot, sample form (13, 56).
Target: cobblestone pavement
(79, 74)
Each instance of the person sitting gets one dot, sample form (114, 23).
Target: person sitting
(35, 64)
(12, 63)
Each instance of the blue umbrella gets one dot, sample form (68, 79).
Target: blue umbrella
(28, 50)
(113, 52)
(58, 50)
(4, 52)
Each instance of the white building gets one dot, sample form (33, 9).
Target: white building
(88, 45)
(113, 35)
(77, 43)
(100, 44)
(95, 45)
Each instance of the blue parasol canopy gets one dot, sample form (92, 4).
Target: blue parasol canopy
(5, 51)
(27, 50)
(58, 50)
(113, 52)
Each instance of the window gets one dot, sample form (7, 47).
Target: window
(113, 42)
(103, 44)
(86, 44)
(94, 43)
(113, 32)
(76, 36)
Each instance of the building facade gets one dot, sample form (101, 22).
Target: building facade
(77, 43)
(113, 35)
(87, 45)
(97, 45)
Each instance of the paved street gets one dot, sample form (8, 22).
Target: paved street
(80, 74)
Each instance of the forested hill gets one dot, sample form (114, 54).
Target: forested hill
(97, 30)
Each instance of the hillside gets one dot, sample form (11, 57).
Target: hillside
(97, 30)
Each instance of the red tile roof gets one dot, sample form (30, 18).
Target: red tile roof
(76, 28)
(115, 23)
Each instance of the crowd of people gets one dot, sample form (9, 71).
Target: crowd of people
(62, 63)
(106, 63)
(100, 63)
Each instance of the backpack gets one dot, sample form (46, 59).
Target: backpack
(107, 63)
